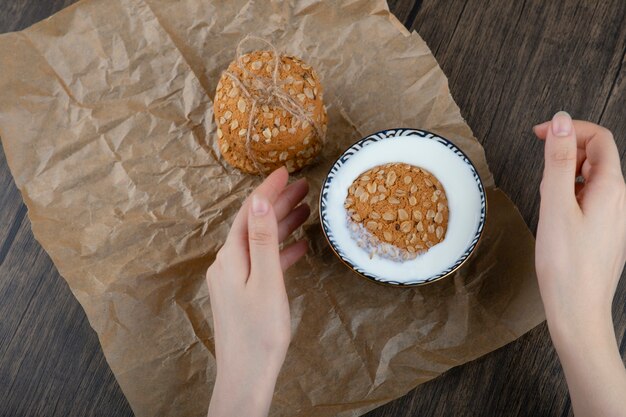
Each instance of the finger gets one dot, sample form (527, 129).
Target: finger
(597, 142)
(292, 254)
(290, 197)
(585, 169)
(600, 149)
(541, 130)
(584, 131)
(292, 221)
(263, 240)
(557, 185)
(270, 189)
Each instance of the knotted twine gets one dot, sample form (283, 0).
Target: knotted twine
(261, 90)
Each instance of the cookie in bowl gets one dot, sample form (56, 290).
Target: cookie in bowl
(403, 207)
(396, 210)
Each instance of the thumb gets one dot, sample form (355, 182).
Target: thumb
(559, 174)
(263, 238)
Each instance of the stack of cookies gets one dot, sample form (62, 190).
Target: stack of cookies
(256, 132)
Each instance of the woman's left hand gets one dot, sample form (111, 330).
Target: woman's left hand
(248, 298)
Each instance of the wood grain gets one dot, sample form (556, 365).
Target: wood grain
(510, 64)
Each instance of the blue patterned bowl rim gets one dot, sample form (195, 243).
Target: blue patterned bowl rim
(386, 135)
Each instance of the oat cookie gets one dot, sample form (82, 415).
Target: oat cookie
(277, 137)
(397, 210)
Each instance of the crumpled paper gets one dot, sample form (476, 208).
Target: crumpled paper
(106, 122)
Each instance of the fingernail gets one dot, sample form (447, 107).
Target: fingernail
(260, 206)
(562, 124)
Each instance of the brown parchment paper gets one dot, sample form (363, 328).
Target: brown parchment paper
(106, 122)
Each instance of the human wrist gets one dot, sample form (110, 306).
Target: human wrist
(237, 367)
(591, 327)
(243, 390)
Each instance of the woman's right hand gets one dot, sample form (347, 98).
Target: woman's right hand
(579, 256)
(581, 236)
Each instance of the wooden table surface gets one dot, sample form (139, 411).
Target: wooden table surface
(510, 63)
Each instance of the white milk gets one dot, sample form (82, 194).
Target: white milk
(463, 195)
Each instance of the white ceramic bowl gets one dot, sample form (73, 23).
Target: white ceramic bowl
(464, 189)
